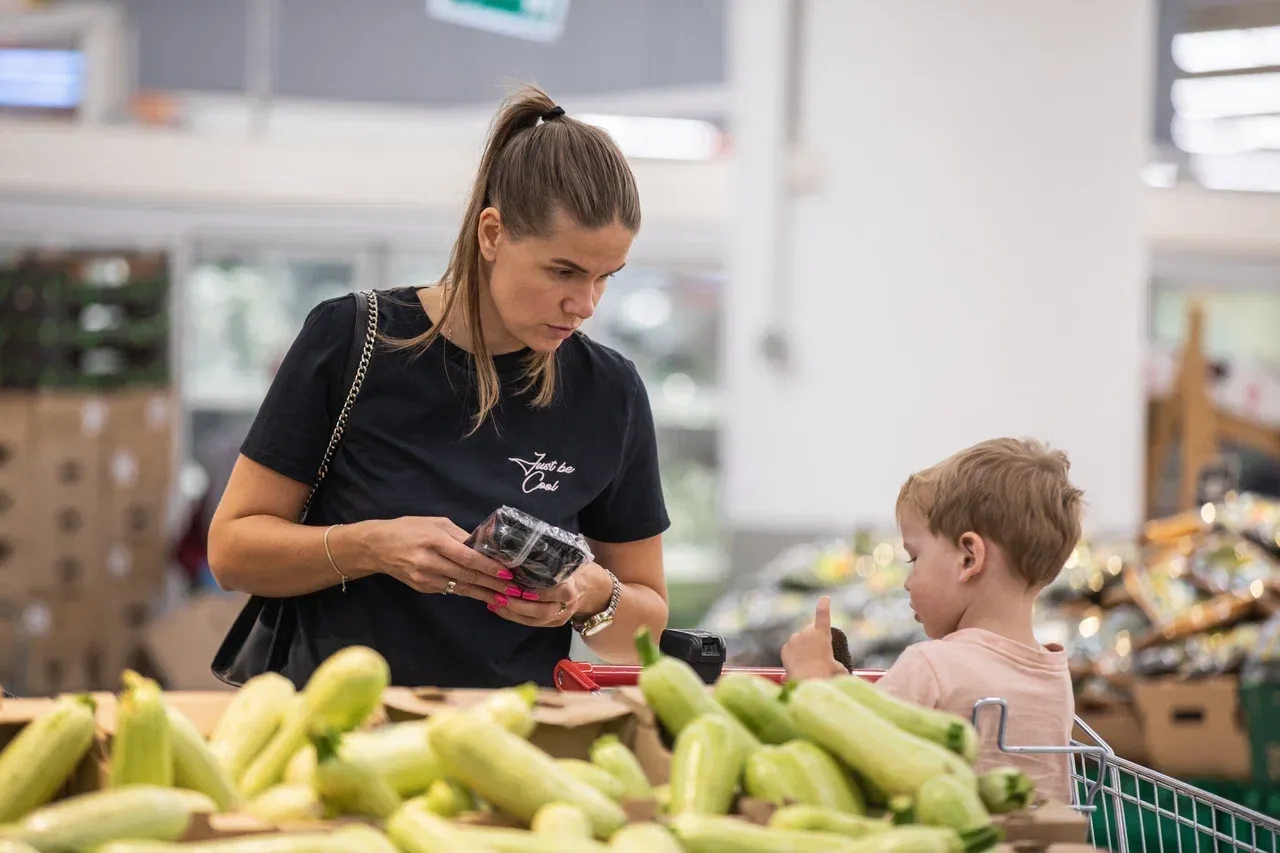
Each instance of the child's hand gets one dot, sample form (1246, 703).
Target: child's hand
(808, 654)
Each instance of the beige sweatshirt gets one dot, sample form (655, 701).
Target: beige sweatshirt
(955, 672)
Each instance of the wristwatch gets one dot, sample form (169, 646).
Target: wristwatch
(595, 624)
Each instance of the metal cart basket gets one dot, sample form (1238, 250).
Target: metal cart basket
(1129, 806)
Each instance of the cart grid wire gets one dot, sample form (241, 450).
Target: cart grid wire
(1128, 806)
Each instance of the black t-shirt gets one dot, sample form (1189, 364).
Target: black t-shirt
(587, 463)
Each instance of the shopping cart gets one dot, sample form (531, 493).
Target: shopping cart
(1129, 806)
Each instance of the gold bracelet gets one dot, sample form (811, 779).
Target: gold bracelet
(329, 554)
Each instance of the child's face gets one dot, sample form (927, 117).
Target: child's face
(939, 594)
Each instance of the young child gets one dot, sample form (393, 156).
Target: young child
(985, 530)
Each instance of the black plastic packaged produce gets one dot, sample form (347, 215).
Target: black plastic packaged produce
(540, 555)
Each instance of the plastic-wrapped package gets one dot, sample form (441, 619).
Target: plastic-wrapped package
(1262, 665)
(540, 555)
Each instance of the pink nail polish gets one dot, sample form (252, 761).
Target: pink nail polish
(492, 608)
(514, 591)
(505, 575)
(530, 596)
(500, 600)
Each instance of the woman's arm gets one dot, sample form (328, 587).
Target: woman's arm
(255, 548)
(638, 565)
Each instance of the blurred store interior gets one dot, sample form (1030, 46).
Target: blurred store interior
(874, 233)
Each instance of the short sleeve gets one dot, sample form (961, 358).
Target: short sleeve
(912, 679)
(631, 507)
(292, 429)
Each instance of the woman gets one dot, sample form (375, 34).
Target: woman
(482, 392)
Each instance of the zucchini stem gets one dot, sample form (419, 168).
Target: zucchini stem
(648, 649)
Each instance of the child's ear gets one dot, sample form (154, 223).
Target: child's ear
(973, 556)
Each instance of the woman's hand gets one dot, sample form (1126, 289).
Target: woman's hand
(585, 593)
(427, 553)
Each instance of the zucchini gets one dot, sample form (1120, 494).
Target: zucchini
(662, 796)
(194, 765)
(706, 767)
(947, 730)
(911, 839)
(597, 777)
(340, 695)
(349, 787)
(138, 812)
(399, 753)
(677, 694)
(561, 820)
(13, 845)
(609, 754)
(800, 772)
(287, 802)
(447, 799)
(895, 761)
(755, 702)
(503, 840)
(823, 819)
(513, 774)
(644, 838)
(512, 708)
(1006, 789)
(351, 839)
(142, 748)
(718, 834)
(947, 801)
(250, 720)
(415, 830)
(38, 762)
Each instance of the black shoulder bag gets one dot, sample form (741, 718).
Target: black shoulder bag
(262, 634)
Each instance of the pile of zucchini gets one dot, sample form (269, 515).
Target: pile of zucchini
(842, 766)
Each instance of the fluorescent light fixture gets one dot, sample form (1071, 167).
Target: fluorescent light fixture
(1227, 50)
(1223, 97)
(1244, 172)
(660, 138)
(1228, 135)
(40, 78)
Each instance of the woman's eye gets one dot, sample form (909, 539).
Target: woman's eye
(565, 273)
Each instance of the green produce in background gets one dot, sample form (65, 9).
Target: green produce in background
(754, 700)
(288, 802)
(194, 765)
(502, 840)
(44, 754)
(609, 754)
(677, 695)
(1006, 789)
(349, 787)
(142, 747)
(706, 767)
(951, 802)
(947, 730)
(718, 834)
(415, 830)
(801, 772)
(400, 753)
(447, 799)
(135, 812)
(250, 720)
(597, 777)
(895, 761)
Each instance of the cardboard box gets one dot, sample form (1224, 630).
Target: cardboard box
(568, 723)
(1194, 728)
(66, 470)
(182, 643)
(1044, 824)
(1120, 728)
(17, 495)
(59, 646)
(137, 456)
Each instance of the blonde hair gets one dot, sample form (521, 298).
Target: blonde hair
(536, 162)
(1012, 492)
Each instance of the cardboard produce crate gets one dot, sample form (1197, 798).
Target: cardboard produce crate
(1119, 726)
(17, 496)
(1194, 728)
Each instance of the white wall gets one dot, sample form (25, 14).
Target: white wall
(971, 263)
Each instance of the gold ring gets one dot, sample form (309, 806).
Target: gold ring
(564, 605)
(450, 587)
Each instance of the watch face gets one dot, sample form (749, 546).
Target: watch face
(592, 630)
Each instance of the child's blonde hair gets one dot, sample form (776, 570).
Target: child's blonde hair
(1012, 492)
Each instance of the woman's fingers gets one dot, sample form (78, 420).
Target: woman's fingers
(535, 613)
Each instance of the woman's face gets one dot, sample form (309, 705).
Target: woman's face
(543, 288)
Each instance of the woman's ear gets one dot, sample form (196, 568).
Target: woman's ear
(489, 232)
(973, 556)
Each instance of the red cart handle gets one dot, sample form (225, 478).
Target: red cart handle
(576, 676)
